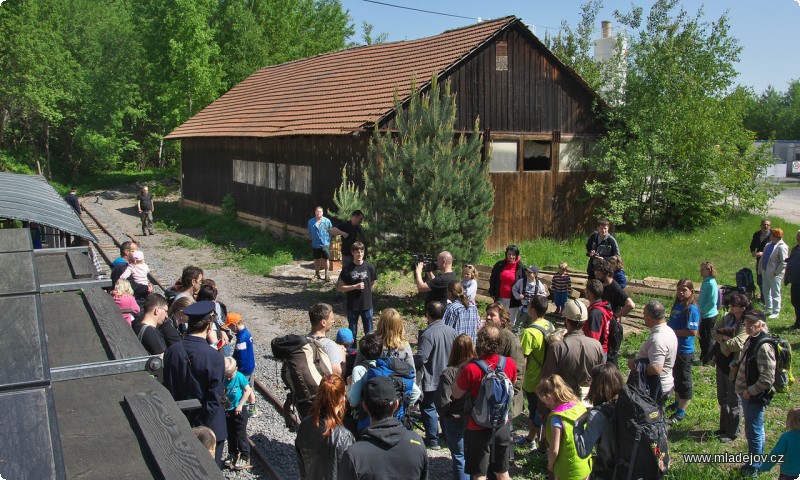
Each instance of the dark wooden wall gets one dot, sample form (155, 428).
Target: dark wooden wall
(207, 165)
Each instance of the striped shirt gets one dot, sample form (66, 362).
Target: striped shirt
(561, 283)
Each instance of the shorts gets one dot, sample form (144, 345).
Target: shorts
(321, 253)
(477, 451)
(682, 373)
(533, 403)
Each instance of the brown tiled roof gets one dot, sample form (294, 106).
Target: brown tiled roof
(334, 93)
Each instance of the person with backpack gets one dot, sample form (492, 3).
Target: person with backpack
(500, 316)
(621, 304)
(596, 428)
(600, 315)
(600, 246)
(565, 409)
(755, 375)
(322, 321)
(576, 355)
(487, 439)
(147, 328)
(377, 364)
(534, 346)
(524, 290)
(386, 449)
(684, 320)
(658, 352)
(433, 351)
(730, 335)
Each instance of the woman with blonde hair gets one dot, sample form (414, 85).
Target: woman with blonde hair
(685, 321)
(321, 437)
(565, 409)
(709, 294)
(391, 329)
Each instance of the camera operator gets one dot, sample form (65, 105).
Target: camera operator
(436, 287)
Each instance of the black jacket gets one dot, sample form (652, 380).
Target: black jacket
(386, 450)
(319, 457)
(494, 280)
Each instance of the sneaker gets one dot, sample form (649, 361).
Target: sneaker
(725, 439)
(774, 315)
(675, 418)
(243, 464)
(672, 407)
(231, 461)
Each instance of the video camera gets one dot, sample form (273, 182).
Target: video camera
(428, 262)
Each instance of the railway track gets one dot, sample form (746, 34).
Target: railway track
(108, 247)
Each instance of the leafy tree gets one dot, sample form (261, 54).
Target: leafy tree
(676, 147)
(775, 115)
(347, 198)
(429, 190)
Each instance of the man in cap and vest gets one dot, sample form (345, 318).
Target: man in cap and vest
(195, 370)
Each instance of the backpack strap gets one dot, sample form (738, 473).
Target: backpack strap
(545, 333)
(141, 331)
(481, 364)
(501, 364)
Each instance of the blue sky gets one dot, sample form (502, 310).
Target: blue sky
(767, 29)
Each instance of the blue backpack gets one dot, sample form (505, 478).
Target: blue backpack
(402, 373)
(495, 396)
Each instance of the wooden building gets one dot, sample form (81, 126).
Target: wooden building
(278, 141)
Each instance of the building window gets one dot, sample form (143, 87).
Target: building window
(300, 178)
(504, 157)
(501, 56)
(536, 155)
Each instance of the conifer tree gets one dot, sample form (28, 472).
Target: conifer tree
(428, 190)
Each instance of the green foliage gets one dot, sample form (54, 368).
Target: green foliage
(431, 191)
(346, 199)
(228, 207)
(775, 115)
(676, 154)
(90, 86)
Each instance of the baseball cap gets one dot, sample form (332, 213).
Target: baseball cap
(344, 335)
(380, 389)
(533, 269)
(138, 255)
(232, 318)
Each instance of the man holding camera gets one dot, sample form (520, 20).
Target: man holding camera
(436, 287)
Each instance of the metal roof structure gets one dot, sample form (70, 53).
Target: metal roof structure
(31, 199)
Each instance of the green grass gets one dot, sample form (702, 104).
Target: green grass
(255, 251)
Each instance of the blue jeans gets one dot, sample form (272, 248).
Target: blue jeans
(430, 418)
(753, 410)
(454, 432)
(366, 321)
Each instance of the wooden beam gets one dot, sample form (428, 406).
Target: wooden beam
(168, 444)
(118, 336)
(80, 264)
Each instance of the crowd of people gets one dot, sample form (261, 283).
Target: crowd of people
(567, 377)
(361, 421)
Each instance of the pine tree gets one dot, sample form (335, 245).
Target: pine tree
(428, 191)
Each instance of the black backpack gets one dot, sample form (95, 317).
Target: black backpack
(744, 279)
(642, 448)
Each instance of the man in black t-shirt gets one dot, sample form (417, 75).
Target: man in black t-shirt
(436, 287)
(144, 203)
(356, 281)
(350, 231)
(621, 303)
(147, 329)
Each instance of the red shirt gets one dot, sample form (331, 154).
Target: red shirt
(471, 375)
(508, 276)
(598, 324)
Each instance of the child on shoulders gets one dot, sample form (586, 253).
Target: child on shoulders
(470, 282)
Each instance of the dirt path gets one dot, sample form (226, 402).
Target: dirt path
(787, 204)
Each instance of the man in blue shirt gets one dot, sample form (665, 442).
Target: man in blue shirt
(318, 230)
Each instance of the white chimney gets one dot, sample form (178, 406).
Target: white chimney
(606, 26)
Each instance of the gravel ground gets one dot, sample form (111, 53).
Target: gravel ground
(270, 306)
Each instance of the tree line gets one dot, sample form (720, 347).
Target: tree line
(89, 86)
